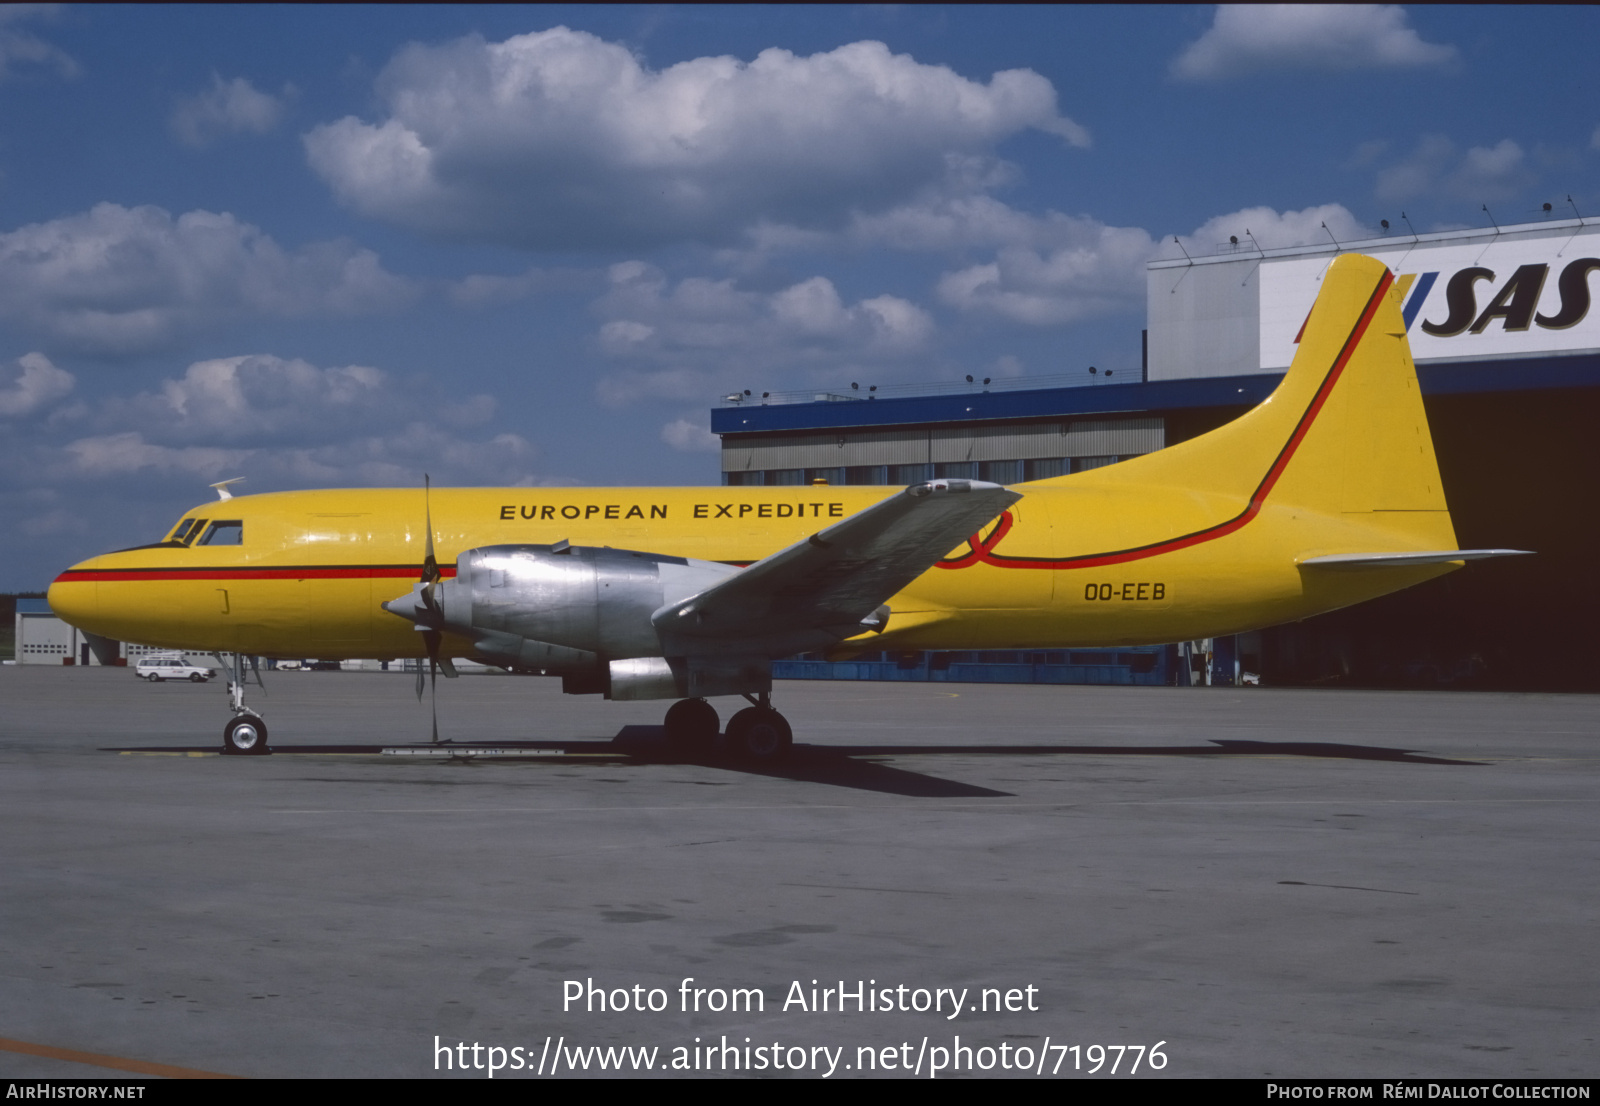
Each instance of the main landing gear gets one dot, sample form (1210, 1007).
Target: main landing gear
(692, 727)
(246, 733)
(757, 733)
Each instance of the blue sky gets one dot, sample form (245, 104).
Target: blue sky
(324, 246)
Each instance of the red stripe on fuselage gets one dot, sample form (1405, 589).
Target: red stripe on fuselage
(294, 572)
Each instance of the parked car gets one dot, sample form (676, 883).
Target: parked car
(171, 666)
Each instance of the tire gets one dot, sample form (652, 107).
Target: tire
(153, 678)
(759, 734)
(245, 735)
(692, 726)
(196, 678)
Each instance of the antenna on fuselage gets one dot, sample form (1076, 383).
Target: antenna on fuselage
(222, 487)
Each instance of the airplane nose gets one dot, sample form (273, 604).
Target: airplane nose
(75, 601)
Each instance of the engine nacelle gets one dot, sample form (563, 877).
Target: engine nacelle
(583, 613)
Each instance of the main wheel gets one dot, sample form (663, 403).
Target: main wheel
(692, 725)
(246, 735)
(759, 733)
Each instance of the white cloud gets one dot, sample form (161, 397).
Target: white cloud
(699, 337)
(953, 224)
(128, 454)
(1081, 269)
(492, 289)
(379, 460)
(1277, 230)
(1059, 270)
(21, 51)
(1419, 172)
(650, 317)
(227, 107)
(261, 399)
(690, 436)
(286, 423)
(1246, 38)
(561, 140)
(32, 384)
(116, 280)
(1437, 166)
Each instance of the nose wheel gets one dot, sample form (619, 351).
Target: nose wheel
(245, 735)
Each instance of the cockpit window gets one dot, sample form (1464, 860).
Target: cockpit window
(224, 533)
(183, 532)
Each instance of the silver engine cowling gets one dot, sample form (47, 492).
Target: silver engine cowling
(582, 613)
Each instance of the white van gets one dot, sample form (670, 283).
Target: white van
(171, 666)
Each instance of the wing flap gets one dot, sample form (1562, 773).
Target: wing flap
(832, 581)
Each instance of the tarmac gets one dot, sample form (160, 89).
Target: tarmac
(1252, 882)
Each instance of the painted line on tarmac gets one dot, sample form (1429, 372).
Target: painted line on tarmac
(117, 1063)
(1063, 806)
(196, 753)
(565, 809)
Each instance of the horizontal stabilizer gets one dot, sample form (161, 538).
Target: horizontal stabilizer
(1401, 560)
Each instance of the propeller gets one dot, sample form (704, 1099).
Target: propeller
(431, 614)
(422, 607)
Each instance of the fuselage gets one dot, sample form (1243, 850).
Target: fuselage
(1090, 560)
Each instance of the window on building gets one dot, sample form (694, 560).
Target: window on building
(867, 474)
(1000, 472)
(1084, 464)
(910, 474)
(1045, 467)
(786, 478)
(745, 479)
(956, 470)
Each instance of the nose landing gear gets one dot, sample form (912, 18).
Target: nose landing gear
(246, 733)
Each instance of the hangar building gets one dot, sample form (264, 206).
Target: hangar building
(1508, 356)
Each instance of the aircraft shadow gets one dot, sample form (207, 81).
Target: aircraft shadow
(841, 766)
(837, 764)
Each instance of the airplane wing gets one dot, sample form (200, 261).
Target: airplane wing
(1402, 560)
(834, 583)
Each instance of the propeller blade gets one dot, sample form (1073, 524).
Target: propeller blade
(433, 638)
(430, 564)
(430, 607)
(434, 698)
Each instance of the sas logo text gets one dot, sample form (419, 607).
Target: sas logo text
(1514, 303)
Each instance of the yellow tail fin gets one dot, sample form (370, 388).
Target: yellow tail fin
(1344, 435)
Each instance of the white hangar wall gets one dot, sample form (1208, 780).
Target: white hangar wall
(1470, 296)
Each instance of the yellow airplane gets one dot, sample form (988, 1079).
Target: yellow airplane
(1324, 495)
